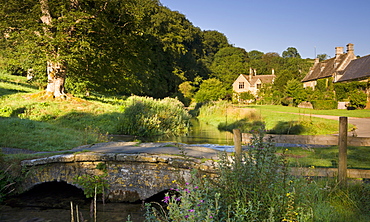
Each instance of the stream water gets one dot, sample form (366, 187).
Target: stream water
(51, 201)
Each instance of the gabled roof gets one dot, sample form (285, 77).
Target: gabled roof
(263, 78)
(357, 69)
(325, 68)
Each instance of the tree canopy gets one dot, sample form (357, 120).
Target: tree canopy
(127, 47)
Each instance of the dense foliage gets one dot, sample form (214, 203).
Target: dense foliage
(148, 117)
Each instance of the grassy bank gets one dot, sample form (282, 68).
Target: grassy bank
(30, 121)
(277, 119)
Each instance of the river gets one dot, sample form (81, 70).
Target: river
(51, 201)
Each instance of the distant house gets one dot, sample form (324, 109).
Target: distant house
(252, 82)
(333, 67)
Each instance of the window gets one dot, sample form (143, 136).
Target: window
(241, 85)
(259, 86)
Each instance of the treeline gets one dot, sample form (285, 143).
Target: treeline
(131, 47)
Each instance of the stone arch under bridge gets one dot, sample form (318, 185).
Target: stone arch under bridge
(131, 177)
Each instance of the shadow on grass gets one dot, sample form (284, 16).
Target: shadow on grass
(244, 125)
(288, 128)
(5, 92)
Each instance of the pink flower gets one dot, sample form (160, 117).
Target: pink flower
(166, 199)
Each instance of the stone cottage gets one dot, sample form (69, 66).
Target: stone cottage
(333, 67)
(252, 82)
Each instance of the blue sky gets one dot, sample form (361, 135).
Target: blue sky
(274, 25)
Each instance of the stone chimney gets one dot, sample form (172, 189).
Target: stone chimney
(250, 73)
(338, 51)
(350, 48)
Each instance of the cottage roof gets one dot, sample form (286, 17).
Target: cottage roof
(263, 78)
(357, 69)
(325, 68)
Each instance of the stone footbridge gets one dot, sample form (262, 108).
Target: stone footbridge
(131, 177)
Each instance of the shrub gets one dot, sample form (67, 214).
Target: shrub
(144, 116)
(324, 104)
(357, 99)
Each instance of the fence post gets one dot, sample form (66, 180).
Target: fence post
(237, 143)
(342, 143)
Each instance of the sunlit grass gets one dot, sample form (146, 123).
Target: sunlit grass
(357, 157)
(364, 113)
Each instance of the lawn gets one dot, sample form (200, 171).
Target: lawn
(361, 113)
(357, 157)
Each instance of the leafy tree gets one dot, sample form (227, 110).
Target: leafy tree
(291, 52)
(322, 57)
(255, 54)
(95, 40)
(214, 41)
(229, 63)
(211, 90)
(295, 90)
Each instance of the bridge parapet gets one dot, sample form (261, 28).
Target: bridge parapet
(131, 177)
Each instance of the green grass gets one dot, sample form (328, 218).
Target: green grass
(357, 157)
(277, 119)
(41, 125)
(364, 113)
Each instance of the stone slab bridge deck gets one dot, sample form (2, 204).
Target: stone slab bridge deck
(135, 171)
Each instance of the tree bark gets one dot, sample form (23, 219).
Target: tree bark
(56, 78)
(56, 71)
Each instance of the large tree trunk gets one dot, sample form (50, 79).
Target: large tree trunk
(56, 71)
(56, 78)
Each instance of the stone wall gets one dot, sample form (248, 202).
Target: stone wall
(132, 177)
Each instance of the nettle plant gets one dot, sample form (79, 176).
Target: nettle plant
(252, 187)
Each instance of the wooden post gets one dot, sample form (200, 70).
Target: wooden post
(342, 143)
(237, 143)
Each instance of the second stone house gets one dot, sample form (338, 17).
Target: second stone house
(333, 67)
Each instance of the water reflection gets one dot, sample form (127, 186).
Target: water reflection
(200, 133)
(203, 133)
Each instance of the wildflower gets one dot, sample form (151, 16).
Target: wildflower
(187, 183)
(174, 181)
(191, 210)
(196, 187)
(186, 216)
(166, 199)
(178, 199)
(202, 201)
(287, 194)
